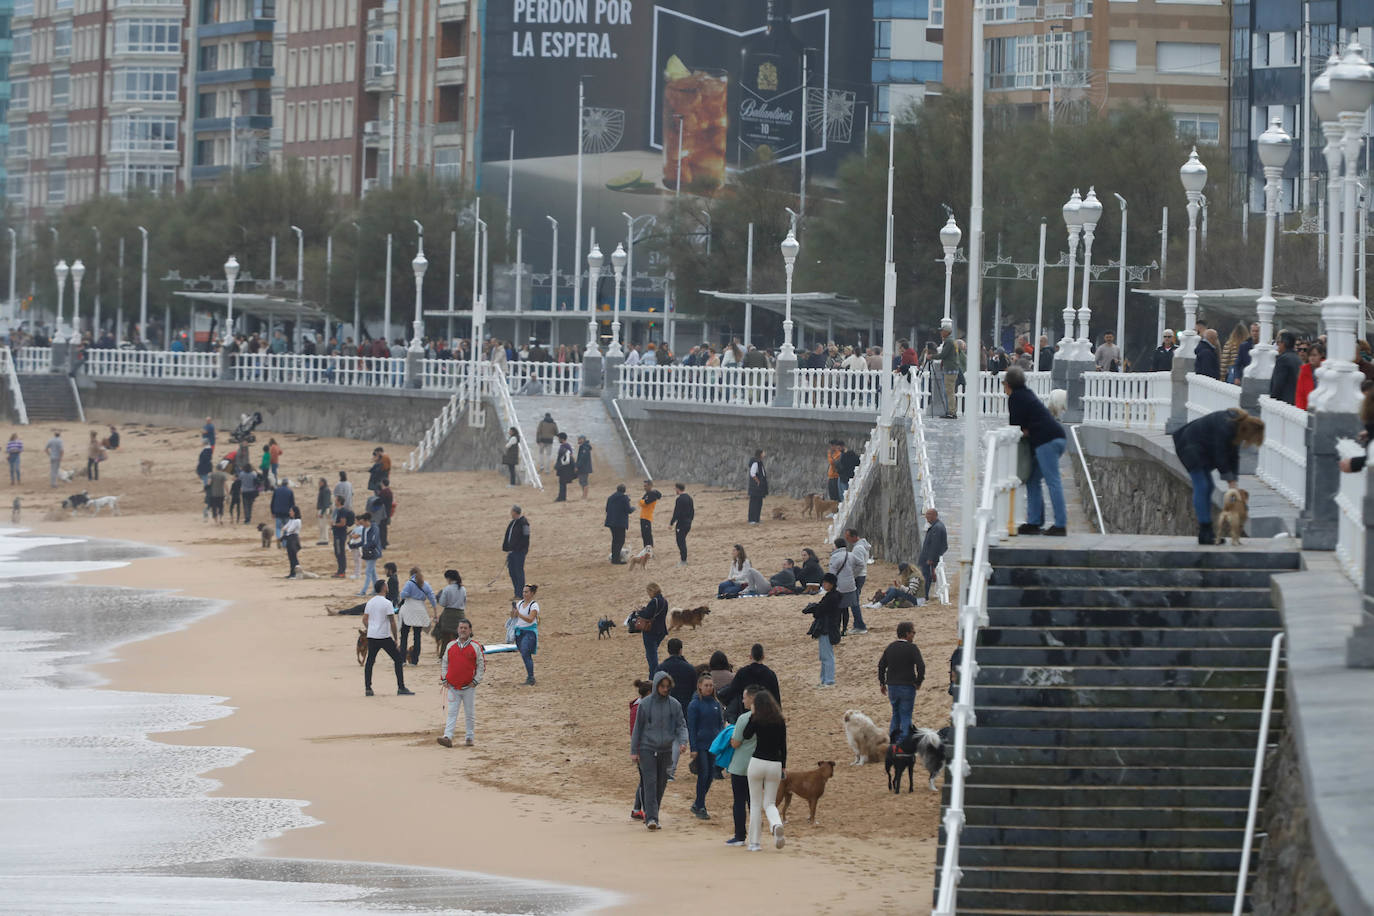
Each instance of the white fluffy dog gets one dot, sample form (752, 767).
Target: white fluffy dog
(1057, 402)
(866, 739)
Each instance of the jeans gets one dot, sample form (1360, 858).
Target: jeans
(1047, 470)
(14, 468)
(341, 549)
(653, 774)
(515, 564)
(903, 700)
(464, 698)
(842, 485)
(54, 465)
(545, 453)
(248, 507)
(849, 602)
(651, 650)
(1202, 495)
(730, 588)
(562, 491)
(827, 654)
(369, 577)
(92, 469)
(646, 532)
(511, 468)
(681, 535)
(617, 543)
(706, 774)
(928, 573)
(526, 641)
(411, 634)
(388, 646)
(764, 776)
(893, 593)
(278, 522)
(857, 602)
(739, 788)
(293, 552)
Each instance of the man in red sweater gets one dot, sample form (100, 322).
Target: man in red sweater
(465, 662)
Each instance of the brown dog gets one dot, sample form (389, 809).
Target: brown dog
(779, 515)
(809, 785)
(692, 618)
(809, 504)
(642, 558)
(1235, 512)
(146, 466)
(265, 530)
(362, 646)
(824, 508)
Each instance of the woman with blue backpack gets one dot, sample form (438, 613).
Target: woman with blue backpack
(705, 719)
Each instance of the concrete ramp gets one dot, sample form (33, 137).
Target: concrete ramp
(578, 417)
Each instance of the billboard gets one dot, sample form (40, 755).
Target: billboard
(679, 93)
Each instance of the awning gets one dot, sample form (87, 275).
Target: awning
(259, 304)
(813, 309)
(1223, 308)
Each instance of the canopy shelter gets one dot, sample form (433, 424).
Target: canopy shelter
(1224, 308)
(809, 308)
(274, 310)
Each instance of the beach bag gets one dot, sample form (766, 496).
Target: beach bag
(510, 630)
(720, 747)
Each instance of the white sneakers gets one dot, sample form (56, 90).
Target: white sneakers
(778, 840)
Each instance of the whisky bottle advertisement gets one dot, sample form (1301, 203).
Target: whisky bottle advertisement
(770, 101)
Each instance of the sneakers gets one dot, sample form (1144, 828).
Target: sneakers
(754, 847)
(1056, 531)
(446, 741)
(403, 692)
(861, 631)
(529, 681)
(1028, 528)
(872, 605)
(368, 692)
(701, 814)
(734, 841)
(681, 563)
(637, 815)
(467, 742)
(652, 825)
(778, 840)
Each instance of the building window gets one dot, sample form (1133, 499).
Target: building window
(14, 189)
(19, 140)
(23, 46)
(882, 39)
(19, 95)
(381, 53)
(23, 8)
(207, 105)
(1179, 57)
(62, 40)
(61, 89)
(209, 58)
(1122, 57)
(264, 9)
(882, 103)
(145, 84)
(937, 14)
(1201, 128)
(145, 133)
(57, 138)
(255, 102)
(257, 53)
(448, 162)
(1274, 49)
(148, 36)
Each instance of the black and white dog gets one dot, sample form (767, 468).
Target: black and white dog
(933, 749)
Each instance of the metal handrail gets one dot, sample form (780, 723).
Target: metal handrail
(511, 419)
(1275, 649)
(631, 439)
(867, 462)
(439, 428)
(16, 393)
(1083, 460)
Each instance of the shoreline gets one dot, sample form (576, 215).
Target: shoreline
(433, 805)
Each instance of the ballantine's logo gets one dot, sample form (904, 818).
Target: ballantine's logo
(756, 110)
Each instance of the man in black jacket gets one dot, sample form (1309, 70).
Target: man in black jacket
(754, 674)
(618, 511)
(826, 627)
(1046, 362)
(1208, 356)
(1047, 441)
(1283, 385)
(933, 547)
(683, 674)
(1163, 358)
(516, 544)
(901, 671)
(684, 510)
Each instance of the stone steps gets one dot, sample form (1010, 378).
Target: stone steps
(49, 397)
(579, 417)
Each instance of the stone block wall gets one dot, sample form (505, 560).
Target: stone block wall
(471, 448)
(1138, 496)
(1288, 877)
(889, 513)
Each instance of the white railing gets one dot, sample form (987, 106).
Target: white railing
(625, 427)
(1283, 456)
(919, 457)
(150, 364)
(999, 483)
(21, 413)
(698, 384)
(1257, 775)
(1207, 395)
(1350, 515)
(858, 484)
(993, 400)
(299, 369)
(836, 389)
(509, 419)
(444, 374)
(1129, 400)
(439, 429)
(33, 359)
(558, 379)
(1088, 475)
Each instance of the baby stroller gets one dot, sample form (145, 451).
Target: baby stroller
(244, 431)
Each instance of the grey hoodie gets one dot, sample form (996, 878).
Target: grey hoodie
(659, 724)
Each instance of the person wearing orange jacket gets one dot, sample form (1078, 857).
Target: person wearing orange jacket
(647, 504)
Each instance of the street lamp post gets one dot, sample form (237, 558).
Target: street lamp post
(95, 323)
(618, 261)
(950, 234)
(553, 267)
(78, 271)
(419, 265)
(1121, 290)
(1274, 148)
(143, 292)
(300, 283)
(231, 275)
(60, 332)
(129, 141)
(1073, 222)
(677, 186)
(1193, 174)
(1330, 117)
(888, 455)
(1090, 211)
(594, 261)
(790, 249)
(11, 307)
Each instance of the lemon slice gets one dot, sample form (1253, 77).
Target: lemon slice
(676, 69)
(628, 180)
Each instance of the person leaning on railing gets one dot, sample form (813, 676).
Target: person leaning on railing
(1047, 441)
(1212, 443)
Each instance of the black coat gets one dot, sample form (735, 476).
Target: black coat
(827, 614)
(1027, 411)
(1283, 385)
(1046, 359)
(1209, 444)
(1208, 362)
(684, 510)
(656, 611)
(584, 458)
(517, 539)
(684, 678)
(810, 571)
(1163, 359)
(758, 487)
(618, 509)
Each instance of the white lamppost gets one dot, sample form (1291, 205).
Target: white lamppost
(1121, 290)
(950, 234)
(594, 261)
(1072, 221)
(1330, 116)
(1090, 211)
(78, 271)
(790, 248)
(300, 283)
(618, 259)
(1352, 89)
(231, 275)
(143, 293)
(553, 268)
(1193, 174)
(419, 265)
(1274, 147)
(11, 310)
(61, 271)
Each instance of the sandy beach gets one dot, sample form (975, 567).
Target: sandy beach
(546, 792)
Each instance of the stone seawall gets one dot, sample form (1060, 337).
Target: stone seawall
(1288, 876)
(889, 514)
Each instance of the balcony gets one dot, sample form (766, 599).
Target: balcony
(451, 71)
(379, 78)
(376, 133)
(451, 10)
(448, 134)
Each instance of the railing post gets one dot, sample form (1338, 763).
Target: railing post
(1317, 525)
(1179, 370)
(1359, 649)
(786, 379)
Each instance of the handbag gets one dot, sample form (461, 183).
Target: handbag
(1025, 460)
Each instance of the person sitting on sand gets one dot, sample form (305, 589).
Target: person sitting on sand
(811, 571)
(737, 580)
(785, 577)
(906, 587)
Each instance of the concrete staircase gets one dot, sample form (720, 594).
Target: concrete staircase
(50, 397)
(1118, 702)
(580, 417)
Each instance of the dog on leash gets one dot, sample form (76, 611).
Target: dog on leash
(809, 785)
(362, 647)
(690, 618)
(924, 744)
(265, 530)
(865, 738)
(1235, 512)
(604, 626)
(16, 508)
(76, 501)
(642, 558)
(146, 467)
(103, 502)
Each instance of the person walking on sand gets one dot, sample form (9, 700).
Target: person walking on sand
(381, 637)
(248, 491)
(415, 618)
(324, 511)
(13, 449)
(651, 622)
(207, 432)
(283, 501)
(825, 628)
(767, 766)
(453, 603)
(647, 504)
(738, 768)
(291, 539)
(933, 547)
(524, 615)
(273, 456)
(584, 463)
(705, 719)
(565, 466)
(345, 489)
(516, 544)
(658, 725)
(95, 453)
(371, 548)
(544, 435)
(684, 511)
(618, 511)
(218, 482)
(901, 671)
(758, 486)
(205, 463)
(341, 524)
(643, 688)
(54, 449)
(511, 456)
(465, 662)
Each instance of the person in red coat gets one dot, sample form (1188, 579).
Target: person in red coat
(1307, 375)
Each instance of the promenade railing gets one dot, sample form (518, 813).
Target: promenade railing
(21, 413)
(1350, 521)
(698, 384)
(553, 379)
(300, 369)
(907, 398)
(1127, 400)
(836, 389)
(996, 503)
(444, 374)
(1283, 457)
(33, 359)
(994, 398)
(439, 429)
(495, 384)
(1207, 395)
(172, 364)
(858, 484)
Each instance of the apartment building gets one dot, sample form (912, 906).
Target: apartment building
(1278, 47)
(228, 118)
(6, 52)
(94, 99)
(420, 85)
(1068, 60)
(907, 54)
